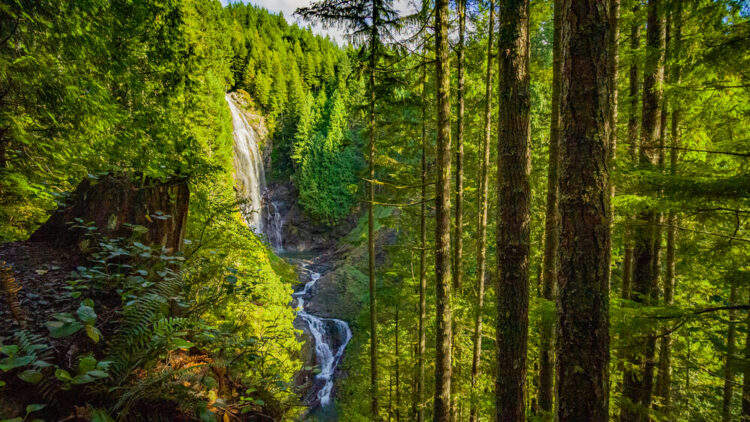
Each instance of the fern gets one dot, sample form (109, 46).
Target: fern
(36, 345)
(150, 387)
(11, 288)
(128, 346)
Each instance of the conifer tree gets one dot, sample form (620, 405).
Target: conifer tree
(513, 218)
(583, 292)
(483, 207)
(442, 404)
(369, 23)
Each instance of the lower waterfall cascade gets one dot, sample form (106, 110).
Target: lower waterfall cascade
(324, 347)
(263, 217)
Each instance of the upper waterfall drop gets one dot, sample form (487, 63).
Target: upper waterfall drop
(261, 214)
(249, 175)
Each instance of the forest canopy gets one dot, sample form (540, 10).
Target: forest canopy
(539, 209)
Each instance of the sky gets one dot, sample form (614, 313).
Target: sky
(287, 7)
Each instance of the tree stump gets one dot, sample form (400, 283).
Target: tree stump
(113, 203)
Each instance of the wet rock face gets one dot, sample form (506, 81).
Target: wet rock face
(299, 232)
(325, 340)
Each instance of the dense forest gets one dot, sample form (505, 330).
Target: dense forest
(473, 210)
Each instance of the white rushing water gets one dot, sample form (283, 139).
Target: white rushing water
(263, 217)
(274, 223)
(248, 167)
(327, 358)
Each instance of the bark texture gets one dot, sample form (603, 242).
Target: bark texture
(113, 203)
(512, 237)
(583, 290)
(482, 223)
(443, 321)
(638, 383)
(551, 225)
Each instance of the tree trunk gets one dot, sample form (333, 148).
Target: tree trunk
(614, 62)
(442, 218)
(726, 404)
(371, 232)
(116, 202)
(512, 237)
(633, 126)
(398, 389)
(745, 416)
(459, 208)
(482, 223)
(583, 273)
(637, 383)
(551, 224)
(635, 85)
(458, 240)
(422, 253)
(664, 376)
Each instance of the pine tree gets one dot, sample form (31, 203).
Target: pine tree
(552, 222)
(638, 383)
(369, 23)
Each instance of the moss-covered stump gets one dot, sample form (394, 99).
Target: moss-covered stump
(114, 204)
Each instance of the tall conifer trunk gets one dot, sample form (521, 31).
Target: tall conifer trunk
(664, 377)
(483, 206)
(745, 415)
(726, 403)
(422, 255)
(614, 63)
(633, 127)
(552, 223)
(512, 237)
(371, 227)
(637, 384)
(442, 218)
(459, 207)
(583, 291)
(398, 379)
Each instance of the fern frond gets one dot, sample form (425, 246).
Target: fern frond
(10, 289)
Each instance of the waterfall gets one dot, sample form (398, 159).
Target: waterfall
(249, 175)
(262, 214)
(327, 354)
(274, 222)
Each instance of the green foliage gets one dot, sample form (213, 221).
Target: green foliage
(93, 86)
(299, 82)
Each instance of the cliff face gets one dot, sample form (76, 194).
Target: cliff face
(299, 232)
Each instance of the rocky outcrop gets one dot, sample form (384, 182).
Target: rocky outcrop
(299, 232)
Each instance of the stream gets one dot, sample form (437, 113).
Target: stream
(325, 344)
(330, 335)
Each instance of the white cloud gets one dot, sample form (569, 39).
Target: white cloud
(287, 7)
